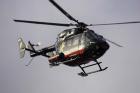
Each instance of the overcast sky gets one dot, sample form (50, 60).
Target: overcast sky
(123, 73)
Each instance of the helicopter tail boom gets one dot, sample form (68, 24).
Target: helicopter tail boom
(30, 48)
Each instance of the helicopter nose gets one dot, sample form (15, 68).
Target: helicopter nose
(104, 45)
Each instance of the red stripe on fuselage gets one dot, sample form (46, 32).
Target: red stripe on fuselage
(75, 53)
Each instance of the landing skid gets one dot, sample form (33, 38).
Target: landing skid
(83, 73)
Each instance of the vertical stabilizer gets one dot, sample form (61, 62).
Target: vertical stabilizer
(22, 47)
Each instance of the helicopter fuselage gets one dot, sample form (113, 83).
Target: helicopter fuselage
(77, 46)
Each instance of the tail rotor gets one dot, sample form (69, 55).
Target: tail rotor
(22, 47)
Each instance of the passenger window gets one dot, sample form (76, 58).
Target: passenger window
(75, 41)
(72, 42)
(69, 43)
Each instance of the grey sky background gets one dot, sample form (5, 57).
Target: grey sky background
(123, 73)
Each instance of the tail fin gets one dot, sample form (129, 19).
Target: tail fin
(22, 47)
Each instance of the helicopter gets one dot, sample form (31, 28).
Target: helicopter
(74, 47)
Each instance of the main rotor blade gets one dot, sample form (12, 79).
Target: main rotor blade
(63, 11)
(45, 23)
(113, 42)
(132, 22)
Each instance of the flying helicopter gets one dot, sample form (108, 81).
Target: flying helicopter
(74, 47)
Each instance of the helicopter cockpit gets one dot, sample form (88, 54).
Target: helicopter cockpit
(96, 43)
(94, 37)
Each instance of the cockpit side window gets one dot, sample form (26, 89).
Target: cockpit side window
(72, 42)
(75, 41)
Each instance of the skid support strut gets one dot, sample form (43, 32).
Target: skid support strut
(83, 73)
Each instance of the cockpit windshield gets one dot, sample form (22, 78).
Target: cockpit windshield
(94, 37)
